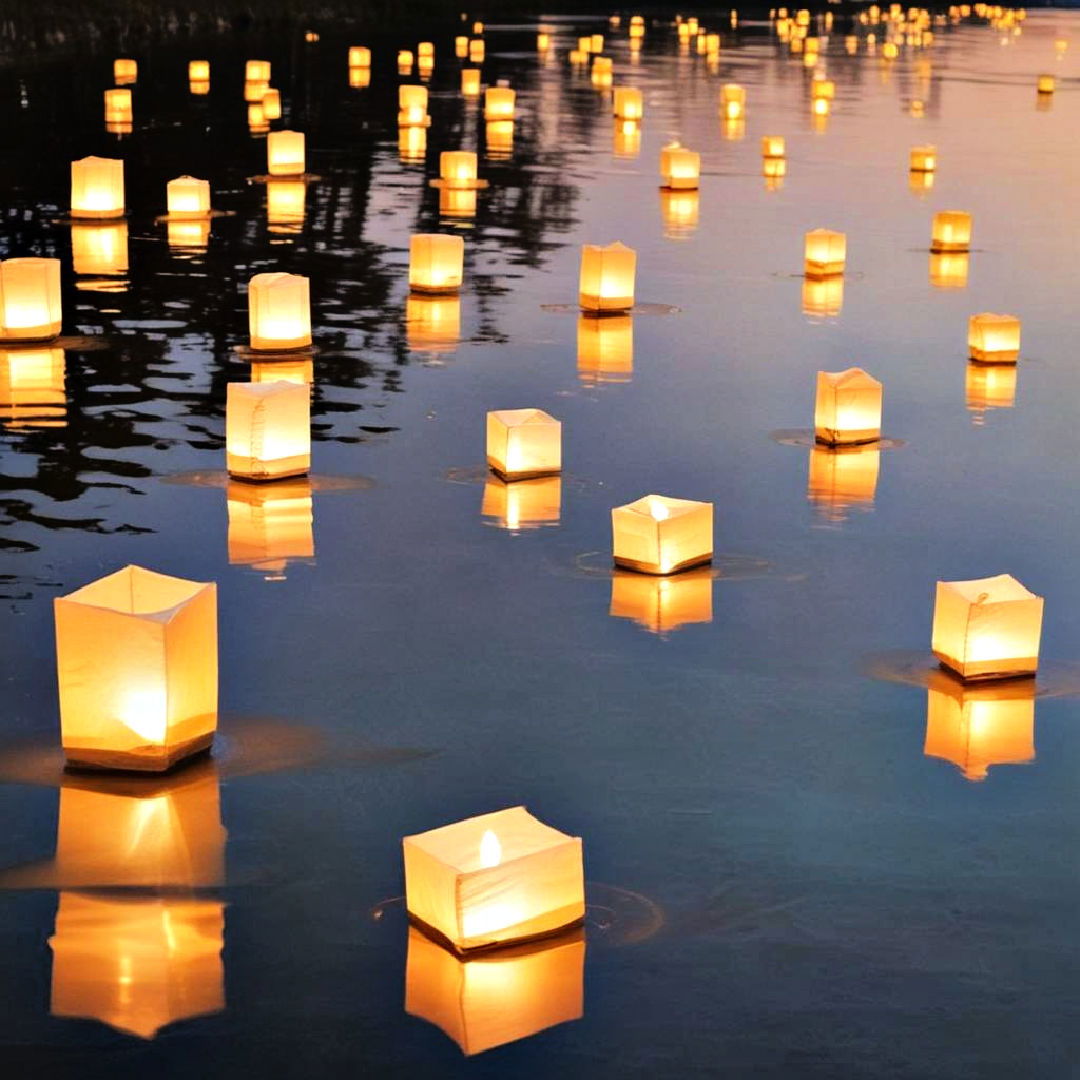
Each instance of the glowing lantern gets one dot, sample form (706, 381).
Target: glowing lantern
(822, 89)
(271, 104)
(842, 478)
(494, 879)
(522, 504)
(499, 103)
(32, 387)
(257, 71)
(436, 262)
(359, 56)
(188, 198)
(596, 43)
(679, 210)
(680, 168)
(100, 249)
(285, 204)
(605, 348)
(772, 146)
(268, 430)
(457, 202)
(923, 158)
(136, 656)
(285, 153)
(477, 28)
(988, 628)
(470, 82)
(412, 106)
(499, 997)
(359, 77)
(199, 87)
(607, 277)
(125, 72)
(661, 535)
(404, 61)
(311, 37)
(627, 103)
(198, 71)
(1046, 84)
(951, 231)
(662, 604)
(270, 524)
(118, 106)
(412, 144)
(851, 44)
(823, 296)
(543, 42)
(457, 168)
(425, 65)
(774, 170)
(255, 90)
(30, 307)
(825, 252)
(584, 44)
(577, 57)
(602, 76)
(712, 44)
(847, 408)
(137, 963)
(432, 323)
(97, 188)
(425, 49)
(990, 386)
(976, 727)
(889, 51)
(461, 47)
(476, 51)
(257, 122)
(279, 312)
(994, 339)
(523, 443)
(949, 270)
(732, 101)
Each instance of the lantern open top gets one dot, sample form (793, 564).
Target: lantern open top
(137, 591)
(992, 590)
(662, 507)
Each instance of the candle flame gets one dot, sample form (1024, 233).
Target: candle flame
(659, 511)
(490, 850)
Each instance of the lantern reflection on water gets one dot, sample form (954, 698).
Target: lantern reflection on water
(990, 386)
(99, 251)
(627, 103)
(257, 71)
(470, 82)
(993, 338)
(359, 77)
(626, 139)
(605, 348)
(457, 202)
(97, 188)
(267, 430)
(523, 443)
(412, 144)
(522, 504)
(285, 205)
(125, 71)
(359, 56)
(847, 408)
(136, 656)
(662, 604)
(494, 879)
(30, 305)
(498, 997)
(412, 106)
(661, 535)
(32, 387)
(679, 211)
(432, 322)
(842, 478)
(300, 370)
(949, 270)
(823, 296)
(270, 525)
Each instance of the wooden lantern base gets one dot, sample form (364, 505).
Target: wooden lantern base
(510, 477)
(988, 671)
(118, 761)
(653, 569)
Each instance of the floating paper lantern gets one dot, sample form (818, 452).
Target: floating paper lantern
(842, 478)
(125, 72)
(822, 89)
(432, 323)
(978, 727)
(499, 103)
(118, 106)
(257, 122)
(457, 202)
(990, 386)
(457, 168)
(476, 51)
(436, 262)
(662, 605)
(279, 311)
(477, 28)
(100, 250)
(949, 270)
(461, 47)
(285, 204)
(470, 82)
(412, 106)
(596, 43)
(32, 387)
(988, 628)
(712, 44)
(426, 49)
(412, 144)
(136, 656)
(680, 169)
(285, 153)
(607, 277)
(198, 71)
(494, 879)
(523, 443)
(97, 188)
(300, 369)
(605, 348)
(543, 42)
(137, 963)
(270, 524)
(359, 56)
(268, 430)
(495, 998)
(602, 74)
(1046, 84)
(825, 252)
(404, 61)
(627, 103)
(425, 65)
(951, 231)
(661, 535)
(773, 146)
(257, 71)
(994, 339)
(522, 504)
(847, 408)
(820, 108)
(359, 77)
(923, 159)
(585, 44)
(889, 51)
(30, 305)
(732, 101)
(823, 296)
(271, 104)
(188, 198)
(679, 210)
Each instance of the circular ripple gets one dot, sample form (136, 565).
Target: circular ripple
(637, 309)
(805, 437)
(219, 478)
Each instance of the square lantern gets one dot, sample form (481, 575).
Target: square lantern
(627, 103)
(136, 656)
(285, 153)
(199, 87)
(412, 106)
(255, 90)
(32, 387)
(470, 82)
(847, 408)
(436, 262)
(602, 72)
(426, 49)
(188, 198)
(522, 504)
(257, 71)
(476, 51)
(497, 997)
(825, 252)
(405, 61)
(198, 71)
(270, 524)
(661, 535)
(662, 605)
(461, 46)
(607, 277)
(359, 77)
(732, 101)
(605, 348)
(97, 188)
(268, 430)
(125, 71)
(30, 305)
(773, 146)
(359, 56)
(118, 107)
(494, 879)
(990, 386)
(1046, 84)
(271, 104)
(499, 103)
(842, 478)
(988, 628)
(994, 339)
(951, 231)
(457, 168)
(523, 443)
(923, 159)
(279, 312)
(680, 169)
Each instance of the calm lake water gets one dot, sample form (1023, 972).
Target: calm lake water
(793, 867)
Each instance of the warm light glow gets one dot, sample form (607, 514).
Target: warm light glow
(680, 169)
(605, 348)
(732, 101)
(823, 296)
(285, 204)
(461, 47)
(32, 387)
(199, 87)
(602, 72)
(100, 250)
(679, 210)
(425, 50)
(822, 89)
(457, 168)
(432, 323)
(820, 107)
(457, 202)
(661, 535)
(359, 77)
(1046, 84)
(412, 144)
(842, 478)
(523, 443)
(271, 104)
(949, 270)
(662, 605)
(848, 407)
(994, 339)
(125, 72)
(255, 90)
(270, 524)
(490, 850)
(951, 231)
(499, 103)
(412, 106)
(825, 252)
(626, 139)
(923, 159)
(279, 311)
(257, 71)
(118, 107)
(30, 305)
(522, 504)
(470, 82)
(268, 430)
(436, 262)
(990, 386)
(476, 51)
(97, 188)
(607, 277)
(187, 197)
(257, 122)
(627, 103)
(285, 153)
(543, 42)
(773, 146)
(359, 56)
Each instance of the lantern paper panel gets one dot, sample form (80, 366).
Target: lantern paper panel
(198, 71)
(461, 46)
(499, 103)
(457, 168)
(494, 879)
(359, 77)
(137, 963)
(680, 169)
(359, 56)
(257, 122)
(257, 71)
(476, 51)
(97, 188)
(605, 348)
(285, 153)
(136, 655)
(773, 146)
(523, 443)
(993, 338)
(679, 211)
(522, 504)
(188, 197)
(607, 277)
(271, 104)
(470, 82)
(118, 108)
(977, 727)
(270, 525)
(627, 103)
(923, 159)
(825, 252)
(436, 262)
(30, 303)
(662, 605)
(498, 997)
(125, 71)
(432, 323)
(661, 535)
(279, 312)
(732, 101)
(32, 387)
(951, 231)
(988, 628)
(990, 386)
(412, 106)
(841, 479)
(254, 92)
(847, 408)
(267, 430)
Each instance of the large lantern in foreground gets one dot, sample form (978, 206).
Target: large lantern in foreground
(268, 430)
(988, 628)
(436, 262)
(847, 409)
(607, 277)
(523, 443)
(279, 312)
(187, 197)
(825, 252)
(661, 535)
(951, 231)
(30, 307)
(136, 656)
(494, 879)
(97, 188)
(285, 153)
(680, 169)
(993, 338)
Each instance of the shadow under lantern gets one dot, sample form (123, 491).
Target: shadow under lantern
(662, 535)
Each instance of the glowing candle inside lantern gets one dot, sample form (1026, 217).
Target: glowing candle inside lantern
(772, 146)
(198, 71)
(412, 106)
(436, 262)
(271, 104)
(994, 339)
(125, 72)
(825, 252)
(359, 56)
(285, 153)
(188, 198)
(268, 430)
(470, 82)
(490, 850)
(848, 407)
(543, 42)
(732, 101)
(257, 122)
(97, 188)
(923, 159)
(951, 231)
(257, 71)
(661, 535)
(523, 443)
(607, 277)
(602, 72)
(499, 103)
(627, 103)
(279, 311)
(30, 305)
(680, 169)
(457, 168)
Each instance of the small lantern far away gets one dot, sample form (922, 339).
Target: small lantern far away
(978, 727)
(522, 504)
(923, 159)
(494, 879)
(543, 42)
(136, 657)
(848, 408)
(680, 169)
(605, 348)
(412, 106)
(470, 82)
(772, 146)
(661, 535)
(732, 101)
(476, 51)
(125, 71)
(523, 443)
(285, 153)
(825, 252)
(499, 103)
(841, 479)
(1046, 84)
(271, 104)
(257, 71)
(268, 430)
(199, 76)
(270, 525)
(988, 628)
(436, 262)
(97, 188)
(359, 56)
(30, 304)
(279, 312)
(951, 231)
(498, 997)
(32, 387)
(118, 111)
(662, 605)
(457, 169)
(607, 278)
(627, 103)
(993, 338)
(187, 197)
(461, 46)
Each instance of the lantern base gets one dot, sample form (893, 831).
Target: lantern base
(596, 305)
(817, 271)
(301, 352)
(435, 290)
(118, 761)
(441, 939)
(269, 478)
(858, 438)
(532, 474)
(82, 217)
(35, 339)
(990, 670)
(941, 248)
(459, 185)
(992, 357)
(654, 568)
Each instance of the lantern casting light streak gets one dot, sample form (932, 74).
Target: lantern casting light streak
(680, 169)
(661, 535)
(523, 443)
(522, 504)
(662, 605)
(847, 408)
